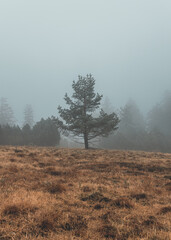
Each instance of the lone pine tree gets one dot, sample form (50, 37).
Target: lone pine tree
(78, 118)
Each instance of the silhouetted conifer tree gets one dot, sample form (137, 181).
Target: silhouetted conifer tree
(6, 113)
(28, 116)
(78, 118)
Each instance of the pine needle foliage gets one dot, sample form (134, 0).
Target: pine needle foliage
(78, 118)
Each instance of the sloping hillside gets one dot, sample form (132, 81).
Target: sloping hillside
(49, 193)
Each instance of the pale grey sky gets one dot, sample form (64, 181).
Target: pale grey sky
(46, 44)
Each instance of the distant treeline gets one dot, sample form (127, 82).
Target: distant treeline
(137, 133)
(43, 133)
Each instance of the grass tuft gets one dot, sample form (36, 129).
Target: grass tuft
(55, 188)
(165, 210)
(122, 203)
(108, 231)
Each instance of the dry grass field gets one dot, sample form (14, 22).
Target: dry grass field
(49, 193)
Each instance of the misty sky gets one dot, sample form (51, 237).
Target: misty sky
(46, 44)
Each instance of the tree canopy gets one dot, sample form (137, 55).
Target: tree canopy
(28, 116)
(78, 118)
(6, 113)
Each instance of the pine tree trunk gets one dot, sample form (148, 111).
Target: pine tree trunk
(86, 141)
(85, 123)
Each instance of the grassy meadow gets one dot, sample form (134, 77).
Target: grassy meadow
(50, 193)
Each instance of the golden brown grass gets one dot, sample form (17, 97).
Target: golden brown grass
(49, 193)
